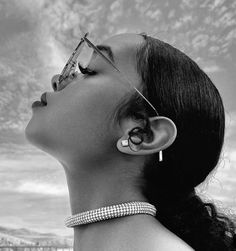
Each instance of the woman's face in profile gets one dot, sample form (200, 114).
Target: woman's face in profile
(76, 123)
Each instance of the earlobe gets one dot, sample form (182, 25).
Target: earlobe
(164, 133)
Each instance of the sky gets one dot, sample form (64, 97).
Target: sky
(37, 37)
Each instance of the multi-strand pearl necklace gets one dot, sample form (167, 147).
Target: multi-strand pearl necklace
(109, 212)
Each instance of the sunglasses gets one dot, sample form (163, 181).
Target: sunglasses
(81, 57)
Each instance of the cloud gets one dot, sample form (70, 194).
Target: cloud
(30, 172)
(200, 41)
(34, 211)
(171, 14)
(52, 55)
(187, 18)
(42, 188)
(116, 10)
(142, 6)
(226, 20)
(188, 4)
(154, 14)
(12, 222)
(214, 49)
(232, 156)
(212, 68)
(177, 25)
(230, 132)
(231, 35)
(216, 3)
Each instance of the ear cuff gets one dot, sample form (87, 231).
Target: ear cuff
(135, 140)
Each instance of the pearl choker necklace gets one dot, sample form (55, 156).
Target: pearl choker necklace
(109, 212)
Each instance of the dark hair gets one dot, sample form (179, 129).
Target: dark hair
(181, 91)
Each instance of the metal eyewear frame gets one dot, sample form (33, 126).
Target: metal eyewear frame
(70, 66)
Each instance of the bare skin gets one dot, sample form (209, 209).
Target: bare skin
(76, 129)
(132, 233)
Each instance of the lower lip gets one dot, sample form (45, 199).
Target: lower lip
(37, 104)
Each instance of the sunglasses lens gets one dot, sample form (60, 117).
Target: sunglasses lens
(85, 56)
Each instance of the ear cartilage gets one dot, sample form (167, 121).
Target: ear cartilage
(125, 143)
(160, 156)
(136, 140)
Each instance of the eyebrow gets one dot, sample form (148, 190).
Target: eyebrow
(107, 49)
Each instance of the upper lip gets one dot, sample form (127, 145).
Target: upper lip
(44, 98)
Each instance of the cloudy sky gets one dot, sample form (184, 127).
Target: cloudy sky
(36, 37)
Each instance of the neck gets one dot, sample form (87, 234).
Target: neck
(104, 235)
(91, 187)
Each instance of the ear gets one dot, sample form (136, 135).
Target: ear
(164, 133)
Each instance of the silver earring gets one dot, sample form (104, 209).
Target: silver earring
(134, 141)
(133, 146)
(125, 143)
(160, 156)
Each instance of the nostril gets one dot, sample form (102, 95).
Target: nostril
(54, 86)
(54, 82)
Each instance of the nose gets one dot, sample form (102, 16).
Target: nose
(55, 81)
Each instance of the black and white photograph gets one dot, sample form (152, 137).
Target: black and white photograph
(117, 125)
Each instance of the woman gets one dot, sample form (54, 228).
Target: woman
(109, 140)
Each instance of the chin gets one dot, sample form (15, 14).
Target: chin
(35, 136)
(41, 138)
(32, 134)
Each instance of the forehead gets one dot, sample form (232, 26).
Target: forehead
(124, 45)
(126, 39)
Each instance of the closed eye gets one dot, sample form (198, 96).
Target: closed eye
(86, 71)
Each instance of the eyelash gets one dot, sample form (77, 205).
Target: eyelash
(86, 71)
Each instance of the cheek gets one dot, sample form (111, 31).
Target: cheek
(78, 119)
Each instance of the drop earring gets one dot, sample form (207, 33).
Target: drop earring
(160, 156)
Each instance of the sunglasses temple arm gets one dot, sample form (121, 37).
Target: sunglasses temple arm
(125, 78)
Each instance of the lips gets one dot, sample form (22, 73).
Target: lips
(44, 98)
